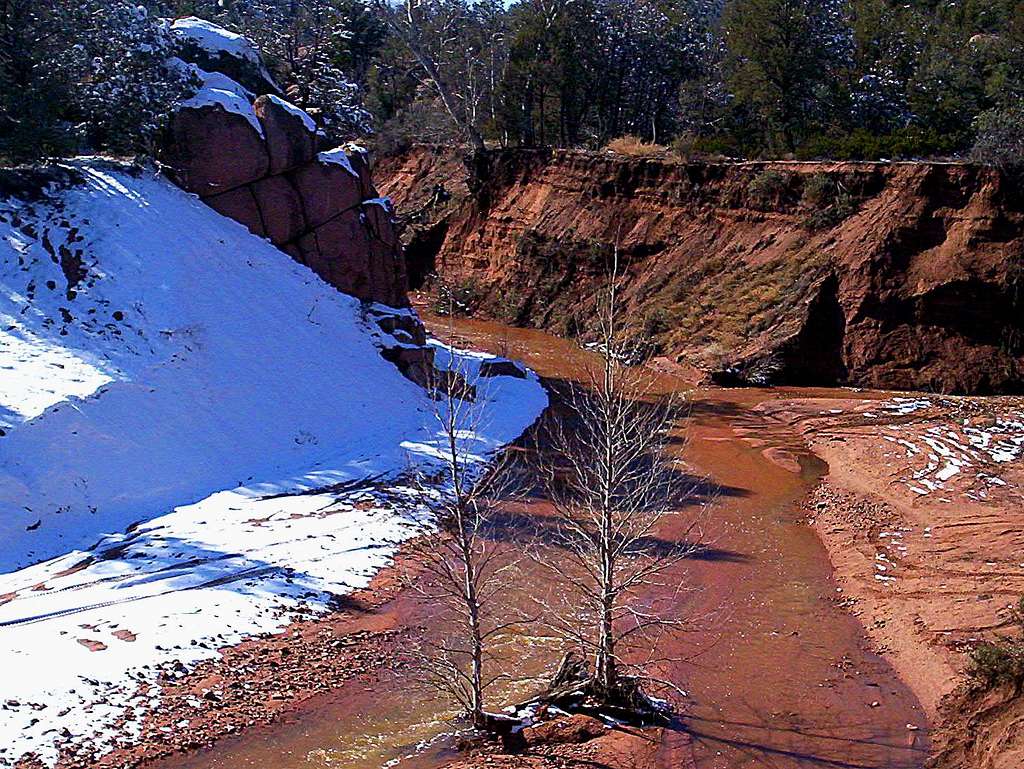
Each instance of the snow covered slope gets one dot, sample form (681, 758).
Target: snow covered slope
(168, 384)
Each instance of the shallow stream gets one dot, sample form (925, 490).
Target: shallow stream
(777, 673)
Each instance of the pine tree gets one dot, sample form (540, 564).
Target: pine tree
(786, 58)
(83, 74)
(304, 43)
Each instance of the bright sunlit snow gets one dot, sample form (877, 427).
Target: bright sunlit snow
(168, 382)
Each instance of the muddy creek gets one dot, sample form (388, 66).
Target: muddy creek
(777, 672)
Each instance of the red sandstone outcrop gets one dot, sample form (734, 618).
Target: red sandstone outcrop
(317, 207)
(258, 161)
(897, 275)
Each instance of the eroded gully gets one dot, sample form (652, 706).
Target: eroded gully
(778, 673)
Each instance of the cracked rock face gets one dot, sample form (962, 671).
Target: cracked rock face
(258, 162)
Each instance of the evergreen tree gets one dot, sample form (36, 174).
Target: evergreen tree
(888, 41)
(83, 74)
(305, 44)
(786, 63)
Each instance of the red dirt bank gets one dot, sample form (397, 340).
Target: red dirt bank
(897, 276)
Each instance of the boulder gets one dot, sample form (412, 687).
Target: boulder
(213, 48)
(359, 159)
(387, 262)
(339, 252)
(212, 150)
(501, 367)
(569, 730)
(327, 189)
(239, 204)
(280, 208)
(400, 324)
(380, 218)
(293, 250)
(257, 160)
(290, 133)
(415, 363)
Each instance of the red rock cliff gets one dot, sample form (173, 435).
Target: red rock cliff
(900, 275)
(259, 162)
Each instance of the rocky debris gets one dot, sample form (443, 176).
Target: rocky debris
(570, 730)
(403, 341)
(415, 363)
(402, 325)
(913, 287)
(253, 683)
(256, 161)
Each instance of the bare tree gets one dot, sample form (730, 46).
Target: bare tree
(614, 481)
(427, 29)
(458, 567)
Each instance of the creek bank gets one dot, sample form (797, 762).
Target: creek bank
(261, 680)
(882, 275)
(921, 517)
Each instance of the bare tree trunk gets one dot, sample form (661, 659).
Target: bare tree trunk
(456, 567)
(409, 30)
(613, 482)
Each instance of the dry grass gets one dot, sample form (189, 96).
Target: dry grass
(635, 147)
(728, 302)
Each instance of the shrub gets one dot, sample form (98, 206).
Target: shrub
(767, 187)
(634, 147)
(830, 202)
(1000, 138)
(689, 146)
(819, 190)
(458, 299)
(909, 142)
(422, 121)
(84, 75)
(657, 321)
(1000, 661)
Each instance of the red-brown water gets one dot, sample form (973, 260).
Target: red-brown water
(777, 673)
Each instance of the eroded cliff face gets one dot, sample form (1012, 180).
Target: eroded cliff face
(900, 276)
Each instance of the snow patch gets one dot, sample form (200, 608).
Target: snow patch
(201, 440)
(221, 91)
(338, 157)
(215, 39)
(307, 121)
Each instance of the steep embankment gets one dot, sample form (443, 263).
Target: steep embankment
(876, 274)
(199, 440)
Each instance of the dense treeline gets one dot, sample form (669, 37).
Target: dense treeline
(82, 74)
(847, 78)
(768, 78)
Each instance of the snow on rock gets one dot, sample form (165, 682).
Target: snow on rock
(214, 39)
(339, 157)
(219, 90)
(944, 448)
(384, 203)
(216, 49)
(291, 109)
(171, 386)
